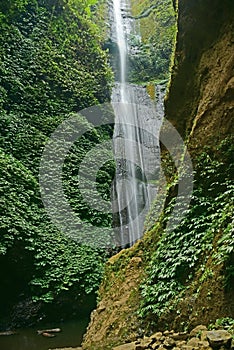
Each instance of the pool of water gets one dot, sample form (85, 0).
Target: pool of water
(28, 339)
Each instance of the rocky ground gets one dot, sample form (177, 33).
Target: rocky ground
(198, 339)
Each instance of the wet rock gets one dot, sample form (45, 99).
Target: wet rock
(166, 333)
(204, 344)
(219, 338)
(203, 335)
(144, 344)
(135, 261)
(156, 336)
(180, 336)
(156, 344)
(26, 313)
(197, 330)
(169, 343)
(180, 343)
(194, 342)
(187, 347)
(128, 346)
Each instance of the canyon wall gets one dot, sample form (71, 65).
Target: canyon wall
(200, 105)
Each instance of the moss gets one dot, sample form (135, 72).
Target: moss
(157, 23)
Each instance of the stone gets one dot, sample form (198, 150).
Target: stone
(156, 336)
(197, 330)
(219, 338)
(194, 342)
(203, 335)
(136, 260)
(187, 347)
(144, 344)
(180, 336)
(156, 345)
(204, 344)
(180, 343)
(127, 346)
(169, 343)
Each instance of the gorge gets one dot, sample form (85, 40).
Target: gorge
(55, 62)
(174, 282)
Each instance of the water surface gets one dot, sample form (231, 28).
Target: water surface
(28, 339)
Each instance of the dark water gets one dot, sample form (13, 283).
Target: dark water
(28, 339)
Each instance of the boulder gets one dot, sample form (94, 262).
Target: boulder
(194, 342)
(156, 336)
(144, 343)
(219, 338)
(169, 343)
(180, 336)
(204, 345)
(156, 345)
(180, 343)
(197, 330)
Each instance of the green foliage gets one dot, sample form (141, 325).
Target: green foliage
(58, 263)
(225, 322)
(179, 253)
(158, 28)
(51, 65)
(47, 69)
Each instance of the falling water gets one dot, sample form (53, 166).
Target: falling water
(136, 145)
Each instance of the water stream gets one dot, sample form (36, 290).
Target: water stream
(28, 339)
(136, 145)
(71, 335)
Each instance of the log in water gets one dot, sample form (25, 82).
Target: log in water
(28, 339)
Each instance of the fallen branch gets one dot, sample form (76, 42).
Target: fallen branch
(53, 330)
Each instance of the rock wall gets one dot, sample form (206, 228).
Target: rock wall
(200, 105)
(200, 99)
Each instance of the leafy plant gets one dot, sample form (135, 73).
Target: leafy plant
(152, 58)
(179, 253)
(51, 64)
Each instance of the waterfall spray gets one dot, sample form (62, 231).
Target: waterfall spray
(136, 149)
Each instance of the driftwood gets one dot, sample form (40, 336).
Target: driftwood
(49, 331)
(7, 333)
(48, 335)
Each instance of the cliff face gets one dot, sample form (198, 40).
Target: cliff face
(200, 97)
(200, 105)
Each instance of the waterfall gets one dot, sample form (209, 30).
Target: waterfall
(135, 140)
